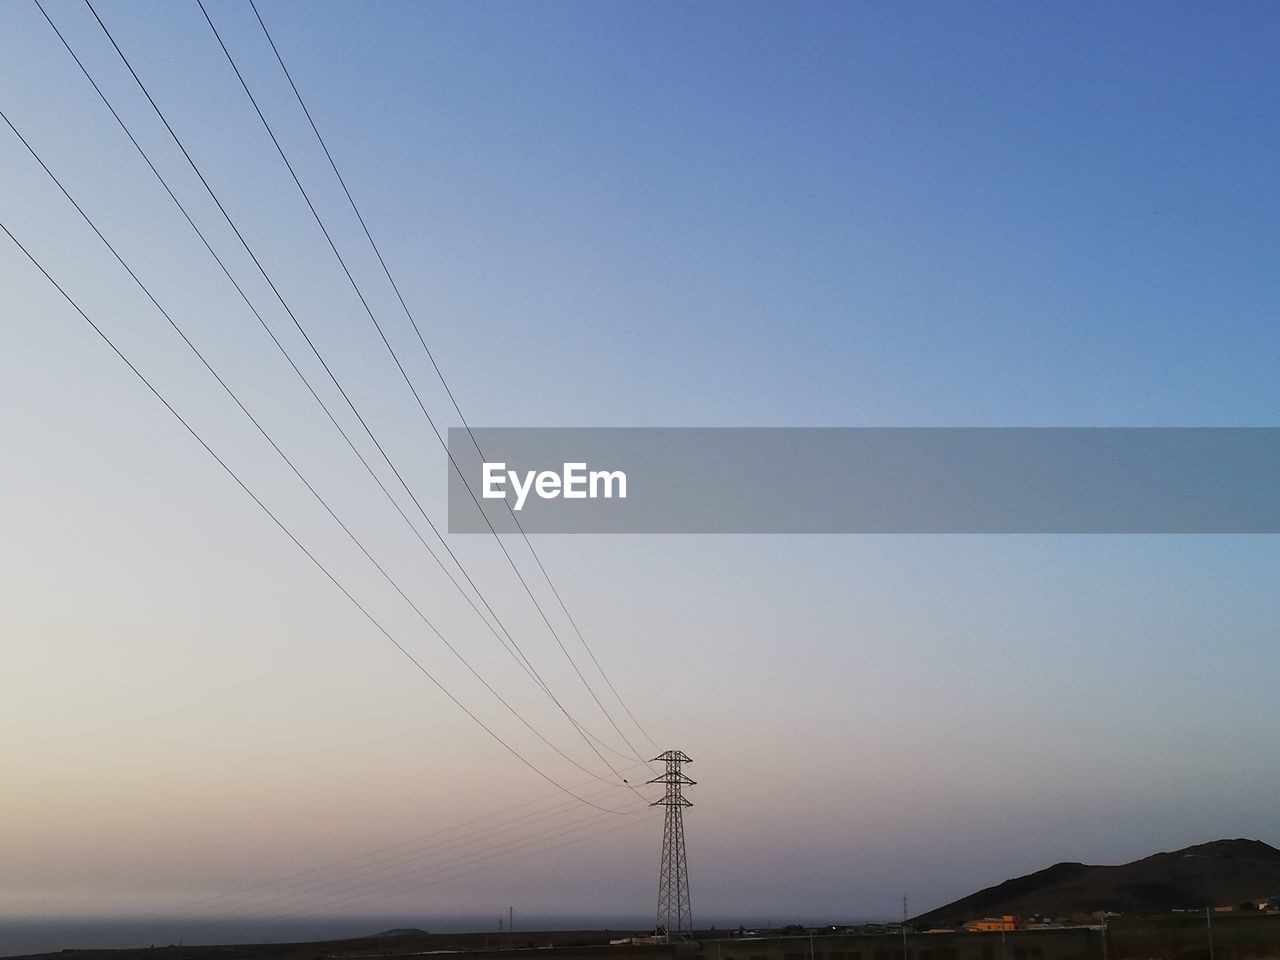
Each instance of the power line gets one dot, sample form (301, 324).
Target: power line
(412, 879)
(332, 419)
(407, 379)
(360, 862)
(383, 878)
(477, 865)
(289, 462)
(403, 373)
(276, 520)
(514, 649)
(302, 330)
(434, 365)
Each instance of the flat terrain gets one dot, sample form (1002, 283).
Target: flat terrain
(392, 944)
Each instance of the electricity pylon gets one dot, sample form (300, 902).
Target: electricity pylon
(675, 915)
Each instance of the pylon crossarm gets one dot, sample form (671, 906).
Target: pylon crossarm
(672, 756)
(672, 802)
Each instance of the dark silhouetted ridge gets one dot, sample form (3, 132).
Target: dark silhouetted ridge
(1219, 873)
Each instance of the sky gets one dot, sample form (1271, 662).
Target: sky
(748, 214)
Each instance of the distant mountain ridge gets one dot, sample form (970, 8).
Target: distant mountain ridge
(1219, 873)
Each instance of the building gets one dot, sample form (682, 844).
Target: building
(992, 924)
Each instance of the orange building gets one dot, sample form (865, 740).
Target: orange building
(992, 924)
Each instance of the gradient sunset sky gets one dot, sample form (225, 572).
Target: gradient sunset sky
(624, 214)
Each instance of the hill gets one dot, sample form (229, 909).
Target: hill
(1220, 873)
(402, 932)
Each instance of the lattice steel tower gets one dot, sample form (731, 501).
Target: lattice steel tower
(675, 915)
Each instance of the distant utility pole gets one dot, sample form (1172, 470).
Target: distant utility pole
(1208, 920)
(675, 915)
(511, 922)
(904, 927)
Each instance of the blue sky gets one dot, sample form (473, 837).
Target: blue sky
(625, 214)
